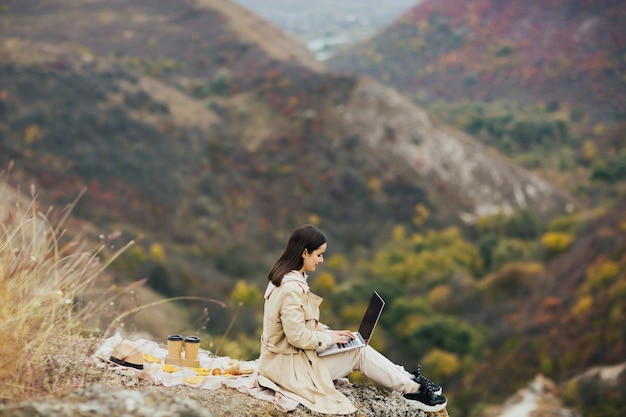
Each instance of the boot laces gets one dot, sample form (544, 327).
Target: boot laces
(422, 380)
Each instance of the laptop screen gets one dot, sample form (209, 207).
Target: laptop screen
(372, 314)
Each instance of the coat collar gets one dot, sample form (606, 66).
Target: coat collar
(293, 276)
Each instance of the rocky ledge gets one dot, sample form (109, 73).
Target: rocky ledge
(122, 394)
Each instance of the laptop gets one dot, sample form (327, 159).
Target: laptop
(363, 335)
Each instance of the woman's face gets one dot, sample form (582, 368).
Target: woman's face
(312, 259)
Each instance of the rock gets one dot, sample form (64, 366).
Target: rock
(151, 400)
(98, 400)
(538, 398)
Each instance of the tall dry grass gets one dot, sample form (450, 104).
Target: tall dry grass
(43, 276)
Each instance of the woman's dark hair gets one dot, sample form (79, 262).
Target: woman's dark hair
(304, 237)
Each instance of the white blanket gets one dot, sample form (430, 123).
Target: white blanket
(154, 372)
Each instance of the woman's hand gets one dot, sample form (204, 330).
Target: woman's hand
(341, 336)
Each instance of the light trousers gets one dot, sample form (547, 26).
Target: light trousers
(374, 366)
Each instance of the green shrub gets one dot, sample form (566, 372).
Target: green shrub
(130, 261)
(610, 169)
(221, 82)
(510, 250)
(597, 398)
(511, 282)
(486, 248)
(246, 294)
(557, 242)
(565, 224)
(441, 364)
(445, 333)
(601, 274)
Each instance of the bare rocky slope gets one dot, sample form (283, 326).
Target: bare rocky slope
(467, 176)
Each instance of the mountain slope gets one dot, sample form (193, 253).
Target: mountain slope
(468, 177)
(572, 313)
(568, 53)
(194, 136)
(126, 124)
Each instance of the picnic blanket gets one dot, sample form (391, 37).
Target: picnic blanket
(158, 372)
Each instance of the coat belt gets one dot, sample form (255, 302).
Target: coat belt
(284, 351)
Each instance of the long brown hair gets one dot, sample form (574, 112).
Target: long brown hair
(304, 237)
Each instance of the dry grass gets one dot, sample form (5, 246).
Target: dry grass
(43, 275)
(55, 303)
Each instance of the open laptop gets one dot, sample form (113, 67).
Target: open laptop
(363, 335)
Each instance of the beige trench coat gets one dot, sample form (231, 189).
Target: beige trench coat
(288, 362)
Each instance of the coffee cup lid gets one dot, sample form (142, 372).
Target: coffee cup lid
(192, 339)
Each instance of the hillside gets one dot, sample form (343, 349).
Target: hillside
(565, 54)
(571, 311)
(205, 178)
(199, 124)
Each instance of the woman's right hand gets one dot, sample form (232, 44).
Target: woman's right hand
(341, 336)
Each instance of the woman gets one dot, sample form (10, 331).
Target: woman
(292, 333)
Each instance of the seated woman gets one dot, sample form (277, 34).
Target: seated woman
(292, 334)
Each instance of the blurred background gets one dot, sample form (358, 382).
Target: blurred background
(465, 158)
(324, 25)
